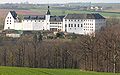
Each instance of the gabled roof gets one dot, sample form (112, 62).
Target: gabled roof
(14, 14)
(56, 18)
(84, 16)
(34, 17)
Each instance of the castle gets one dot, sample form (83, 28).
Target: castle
(70, 23)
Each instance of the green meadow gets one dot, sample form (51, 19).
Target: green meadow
(40, 71)
(64, 12)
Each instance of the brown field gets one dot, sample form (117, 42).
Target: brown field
(113, 10)
(3, 12)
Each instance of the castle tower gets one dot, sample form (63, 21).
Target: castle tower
(48, 14)
(47, 18)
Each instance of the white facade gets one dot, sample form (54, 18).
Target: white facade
(28, 25)
(9, 22)
(58, 27)
(96, 8)
(18, 26)
(83, 26)
(72, 25)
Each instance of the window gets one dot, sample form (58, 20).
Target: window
(7, 20)
(10, 20)
(78, 25)
(10, 17)
(65, 25)
(69, 25)
(74, 25)
(7, 23)
(10, 23)
(65, 30)
(81, 25)
(65, 20)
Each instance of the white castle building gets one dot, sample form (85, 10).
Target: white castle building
(71, 23)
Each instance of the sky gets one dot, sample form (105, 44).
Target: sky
(58, 1)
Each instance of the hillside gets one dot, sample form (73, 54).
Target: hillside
(33, 71)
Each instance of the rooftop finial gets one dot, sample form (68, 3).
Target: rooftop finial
(48, 6)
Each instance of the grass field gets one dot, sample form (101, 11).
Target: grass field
(64, 12)
(41, 11)
(36, 71)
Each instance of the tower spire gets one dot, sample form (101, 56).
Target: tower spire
(48, 12)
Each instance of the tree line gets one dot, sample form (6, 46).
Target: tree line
(100, 53)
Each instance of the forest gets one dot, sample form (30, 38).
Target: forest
(99, 53)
